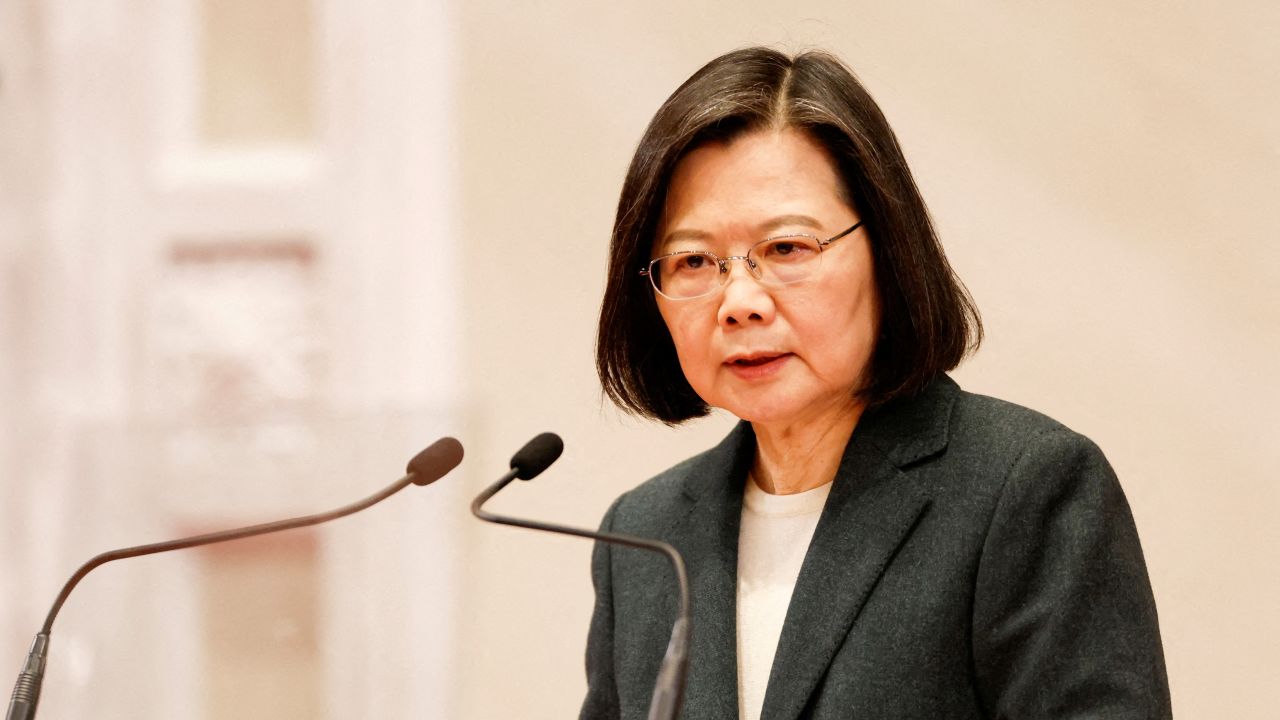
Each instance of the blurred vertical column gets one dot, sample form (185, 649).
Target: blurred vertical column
(235, 300)
(387, 99)
(71, 226)
(22, 123)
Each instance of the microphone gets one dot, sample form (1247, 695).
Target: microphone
(529, 462)
(433, 463)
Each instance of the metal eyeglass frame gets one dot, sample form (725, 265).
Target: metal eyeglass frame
(723, 263)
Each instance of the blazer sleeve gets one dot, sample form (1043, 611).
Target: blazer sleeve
(602, 690)
(1064, 622)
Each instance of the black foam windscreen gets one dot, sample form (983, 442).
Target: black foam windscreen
(537, 455)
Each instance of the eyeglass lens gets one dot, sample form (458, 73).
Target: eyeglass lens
(776, 261)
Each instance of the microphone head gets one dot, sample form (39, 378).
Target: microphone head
(435, 461)
(537, 455)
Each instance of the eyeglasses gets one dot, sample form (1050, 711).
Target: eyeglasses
(781, 260)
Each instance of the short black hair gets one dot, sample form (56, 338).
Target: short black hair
(928, 321)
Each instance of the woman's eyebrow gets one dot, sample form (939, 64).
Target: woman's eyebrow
(772, 224)
(763, 228)
(676, 236)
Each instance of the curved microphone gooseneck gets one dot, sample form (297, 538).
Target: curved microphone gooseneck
(433, 463)
(529, 462)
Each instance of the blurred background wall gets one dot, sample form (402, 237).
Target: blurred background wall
(253, 254)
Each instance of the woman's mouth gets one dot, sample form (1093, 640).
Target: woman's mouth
(756, 367)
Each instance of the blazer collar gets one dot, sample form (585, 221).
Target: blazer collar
(915, 428)
(906, 431)
(871, 510)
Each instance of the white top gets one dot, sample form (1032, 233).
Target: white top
(775, 535)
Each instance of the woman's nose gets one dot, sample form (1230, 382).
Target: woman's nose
(744, 300)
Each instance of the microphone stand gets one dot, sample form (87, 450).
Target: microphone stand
(425, 468)
(668, 692)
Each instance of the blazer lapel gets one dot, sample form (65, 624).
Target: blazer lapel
(707, 536)
(871, 510)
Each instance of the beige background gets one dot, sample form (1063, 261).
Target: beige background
(1103, 176)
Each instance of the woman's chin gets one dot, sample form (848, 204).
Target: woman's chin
(769, 414)
(792, 412)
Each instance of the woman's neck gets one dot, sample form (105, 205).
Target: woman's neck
(803, 455)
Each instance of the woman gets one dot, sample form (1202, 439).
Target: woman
(870, 541)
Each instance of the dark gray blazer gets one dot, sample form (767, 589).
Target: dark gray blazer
(974, 560)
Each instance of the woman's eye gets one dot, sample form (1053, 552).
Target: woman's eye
(788, 250)
(691, 262)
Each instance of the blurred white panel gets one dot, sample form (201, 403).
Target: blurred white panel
(235, 330)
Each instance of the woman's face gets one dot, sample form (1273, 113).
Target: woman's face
(772, 355)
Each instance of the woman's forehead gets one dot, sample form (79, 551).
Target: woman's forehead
(763, 183)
